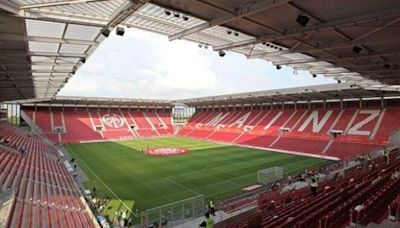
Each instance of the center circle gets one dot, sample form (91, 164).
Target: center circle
(166, 151)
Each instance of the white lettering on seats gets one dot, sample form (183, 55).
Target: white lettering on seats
(276, 117)
(316, 126)
(355, 130)
(239, 122)
(214, 121)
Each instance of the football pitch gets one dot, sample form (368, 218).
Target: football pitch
(132, 179)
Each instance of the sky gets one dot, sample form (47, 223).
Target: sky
(146, 65)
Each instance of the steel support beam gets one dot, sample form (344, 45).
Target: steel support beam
(125, 11)
(327, 46)
(49, 54)
(241, 12)
(13, 37)
(372, 17)
(9, 6)
(58, 3)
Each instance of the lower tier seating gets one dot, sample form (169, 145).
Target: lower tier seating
(45, 193)
(358, 197)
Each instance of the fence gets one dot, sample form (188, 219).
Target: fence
(173, 214)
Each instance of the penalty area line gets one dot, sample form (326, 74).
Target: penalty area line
(102, 182)
(183, 186)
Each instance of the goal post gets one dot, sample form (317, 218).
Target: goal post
(266, 176)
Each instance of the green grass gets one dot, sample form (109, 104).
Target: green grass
(143, 182)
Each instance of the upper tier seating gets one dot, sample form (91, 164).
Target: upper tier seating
(85, 125)
(304, 131)
(45, 193)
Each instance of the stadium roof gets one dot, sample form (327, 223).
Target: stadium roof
(331, 92)
(43, 41)
(96, 101)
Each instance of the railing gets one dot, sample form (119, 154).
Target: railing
(6, 205)
(394, 138)
(173, 214)
(247, 199)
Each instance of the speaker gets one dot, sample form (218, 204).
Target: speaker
(357, 49)
(302, 20)
(120, 31)
(106, 32)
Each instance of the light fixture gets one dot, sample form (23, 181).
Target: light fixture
(221, 53)
(200, 45)
(302, 20)
(357, 49)
(278, 67)
(228, 32)
(338, 81)
(177, 15)
(236, 33)
(205, 46)
(83, 60)
(167, 12)
(185, 18)
(314, 75)
(105, 32)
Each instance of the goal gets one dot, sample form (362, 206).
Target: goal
(269, 175)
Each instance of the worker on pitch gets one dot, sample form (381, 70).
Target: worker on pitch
(314, 184)
(211, 207)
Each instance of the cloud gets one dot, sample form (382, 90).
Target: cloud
(182, 66)
(146, 65)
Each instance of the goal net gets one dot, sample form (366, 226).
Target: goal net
(269, 175)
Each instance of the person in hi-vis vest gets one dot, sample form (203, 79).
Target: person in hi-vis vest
(314, 184)
(386, 154)
(211, 207)
(208, 223)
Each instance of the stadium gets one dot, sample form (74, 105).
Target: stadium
(295, 154)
